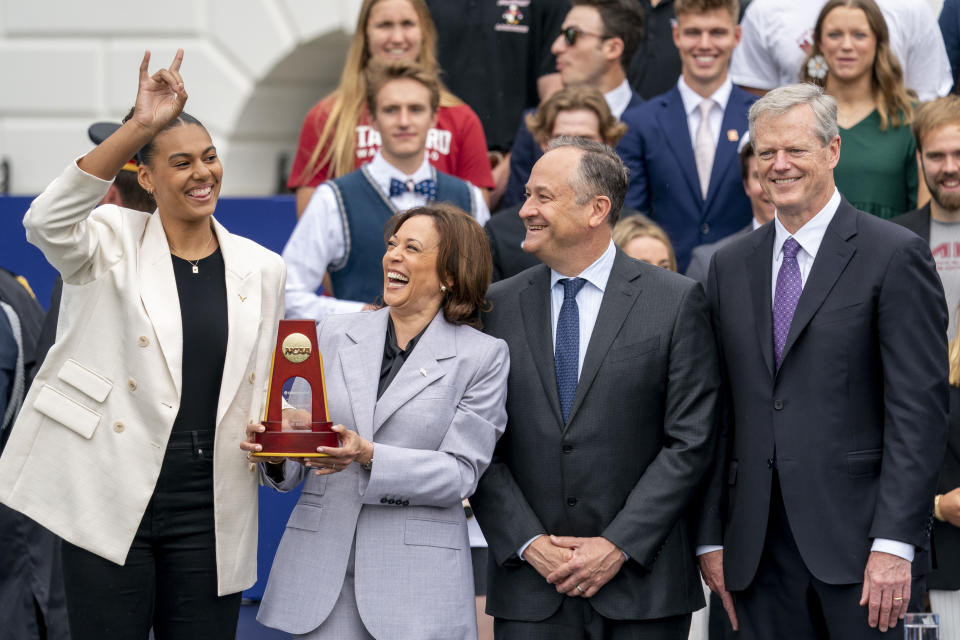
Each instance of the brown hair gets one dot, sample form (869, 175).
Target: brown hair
(621, 19)
(573, 98)
(337, 141)
(463, 257)
(893, 101)
(681, 7)
(745, 154)
(379, 75)
(932, 115)
(640, 226)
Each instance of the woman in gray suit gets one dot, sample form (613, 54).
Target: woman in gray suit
(377, 546)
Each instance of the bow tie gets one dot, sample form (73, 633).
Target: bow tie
(427, 187)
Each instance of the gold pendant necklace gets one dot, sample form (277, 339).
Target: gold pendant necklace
(193, 263)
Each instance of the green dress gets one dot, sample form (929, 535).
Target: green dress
(877, 171)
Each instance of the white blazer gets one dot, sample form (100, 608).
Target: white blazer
(85, 452)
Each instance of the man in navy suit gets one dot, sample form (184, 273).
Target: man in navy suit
(683, 148)
(594, 48)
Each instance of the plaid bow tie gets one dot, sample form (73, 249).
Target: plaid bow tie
(427, 187)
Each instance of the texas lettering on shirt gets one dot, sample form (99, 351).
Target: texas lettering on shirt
(369, 141)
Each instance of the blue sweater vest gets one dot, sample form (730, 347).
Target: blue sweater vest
(365, 210)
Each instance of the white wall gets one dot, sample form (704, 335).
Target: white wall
(252, 67)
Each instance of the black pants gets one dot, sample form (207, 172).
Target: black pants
(786, 601)
(577, 620)
(169, 581)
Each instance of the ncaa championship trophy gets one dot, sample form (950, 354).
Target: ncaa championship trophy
(296, 359)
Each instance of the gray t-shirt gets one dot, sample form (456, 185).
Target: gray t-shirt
(945, 247)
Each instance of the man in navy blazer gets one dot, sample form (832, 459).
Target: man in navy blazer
(831, 325)
(684, 165)
(594, 48)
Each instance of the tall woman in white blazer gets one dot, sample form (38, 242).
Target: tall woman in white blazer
(127, 444)
(377, 546)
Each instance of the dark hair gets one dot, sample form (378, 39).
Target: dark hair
(600, 172)
(621, 19)
(145, 155)
(702, 6)
(580, 97)
(463, 257)
(379, 75)
(745, 154)
(132, 195)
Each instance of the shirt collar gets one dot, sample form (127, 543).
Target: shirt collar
(596, 274)
(618, 99)
(382, 172)
(692, 99)
(810, 235)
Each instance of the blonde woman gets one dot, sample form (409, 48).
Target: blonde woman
(337, 136)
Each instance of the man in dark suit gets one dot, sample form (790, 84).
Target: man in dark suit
(594, 48)
(761, 208)
(682, 146)
(831, 326)
(610, 413)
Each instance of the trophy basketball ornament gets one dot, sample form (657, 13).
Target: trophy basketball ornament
(296, 360)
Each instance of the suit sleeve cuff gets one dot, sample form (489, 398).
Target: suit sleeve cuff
(522, 549)
(708, 548)
(893, 547)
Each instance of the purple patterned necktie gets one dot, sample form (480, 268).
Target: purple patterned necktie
(789, 287)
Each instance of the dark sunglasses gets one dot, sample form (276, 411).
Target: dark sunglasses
(570, 35)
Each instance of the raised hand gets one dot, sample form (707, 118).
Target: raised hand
(161, 96)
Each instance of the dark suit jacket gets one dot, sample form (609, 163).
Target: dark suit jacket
(946, 537)
(700, 257)
(626, 464)
(525, 153)
(664, 181)
(855, 419)
(917, 221)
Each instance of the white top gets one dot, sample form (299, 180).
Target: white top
(318, 239)
(618, 99)
(778, 33)
(691, 104)
(588, 298)
(809, 237)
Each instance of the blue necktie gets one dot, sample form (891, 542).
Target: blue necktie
(789, 287)
(567, 353)
(426, 188)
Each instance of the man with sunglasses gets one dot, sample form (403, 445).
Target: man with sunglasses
(683, 148)
(594, 48)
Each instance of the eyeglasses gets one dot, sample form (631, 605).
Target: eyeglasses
(570, 35)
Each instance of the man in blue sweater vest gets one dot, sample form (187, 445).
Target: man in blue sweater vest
(341, 230)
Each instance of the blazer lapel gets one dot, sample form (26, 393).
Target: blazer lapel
(726, 154)
(158, 292)
(538, 327)
(758, 271)
(832, 258)
(621, 295)
(421, 369)
(360, 363)
(673, 120)
(243, 316)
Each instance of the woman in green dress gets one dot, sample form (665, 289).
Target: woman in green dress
(852, 60)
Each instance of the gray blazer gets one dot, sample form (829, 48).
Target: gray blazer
(434, 431)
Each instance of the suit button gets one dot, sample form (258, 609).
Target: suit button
(571, 502)
(118, 427)
(406, 503)
(778, 404)
(383, 501)
(132, 384)
(391, 501)
(704, 229)
(770, 463)
(143, 341)
(567, 448)
(253, 377)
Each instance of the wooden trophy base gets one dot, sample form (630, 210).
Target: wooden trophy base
(296, 444)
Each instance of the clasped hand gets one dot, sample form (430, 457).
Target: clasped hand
(570, 562)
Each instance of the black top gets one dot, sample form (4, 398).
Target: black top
(492, 55)
(394, 356)
(203, 312)
(656, 65)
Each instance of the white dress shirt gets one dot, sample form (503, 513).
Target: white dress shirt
(618, 98)
(318, 239)
(588, 305)
(809, 237)
(691, 105)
